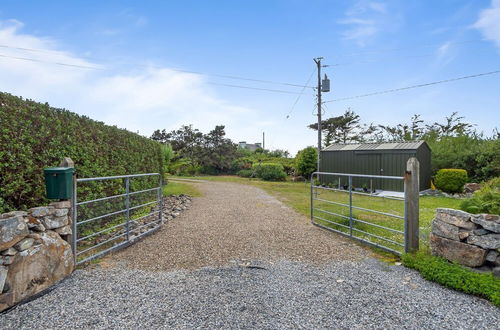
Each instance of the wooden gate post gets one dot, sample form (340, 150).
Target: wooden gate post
(412, 188)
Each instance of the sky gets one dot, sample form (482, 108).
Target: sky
(147, 65)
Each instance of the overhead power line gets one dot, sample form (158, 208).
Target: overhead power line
(50, 62)
(234, 77)
(391, 50)
(254, 88)
(414, 86)
(299, 96)
(97, 68)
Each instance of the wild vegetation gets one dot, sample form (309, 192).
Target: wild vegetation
(485, 200)
(454, 143)
(34, 136)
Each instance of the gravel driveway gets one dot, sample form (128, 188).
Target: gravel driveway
(241, 259)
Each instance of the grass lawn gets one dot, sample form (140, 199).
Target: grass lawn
(178, 188)
(297, 196)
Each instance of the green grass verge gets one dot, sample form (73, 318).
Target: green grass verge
(454, 276)
(178, 188)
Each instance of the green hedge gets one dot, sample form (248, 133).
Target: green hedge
(270, 171)
(34, 136)
(451, 180)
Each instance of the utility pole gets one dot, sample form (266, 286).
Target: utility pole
(318, 64)
(264, 140)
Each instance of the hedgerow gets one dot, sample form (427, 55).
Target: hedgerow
(34, 136)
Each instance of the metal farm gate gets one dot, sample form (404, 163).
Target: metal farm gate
(112, 221)
(386, 222)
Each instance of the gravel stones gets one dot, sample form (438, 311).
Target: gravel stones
(281, 295)
(230, 222)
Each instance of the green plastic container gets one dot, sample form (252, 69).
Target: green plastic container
(59, 182)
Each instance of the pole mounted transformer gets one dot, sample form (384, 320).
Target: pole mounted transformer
(325, 85)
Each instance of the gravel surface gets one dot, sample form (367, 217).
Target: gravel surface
(233, 221)
(366, 294)
(228, 263)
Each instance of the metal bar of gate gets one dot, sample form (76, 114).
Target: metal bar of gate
(127, 206)
(127, 217)
(350, 227)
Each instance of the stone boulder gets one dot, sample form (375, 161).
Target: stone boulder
(464, 254)
(37, 268)
(12, 230)
(455, 217)
(489, 241)
(445, 230)
(471, 187)
(52, 222)
(489, 222)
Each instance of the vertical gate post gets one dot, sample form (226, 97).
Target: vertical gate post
(127, 206)
(160, 200)
(74, 217)
(412, 204)
(350, 205)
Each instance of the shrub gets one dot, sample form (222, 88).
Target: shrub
(454, 276)
(246, 173)
(306, 161)
(481, 157)
(486, 200)
(451, 180)
(270, 172)
(34, 136)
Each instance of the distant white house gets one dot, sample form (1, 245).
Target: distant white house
(249, 146)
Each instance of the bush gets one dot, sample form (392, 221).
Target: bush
(454, 276)
(34, 136)
(486, 200)
(270, 172)
(480, 156)
(306, 161)
(246, 173)
(451, 180)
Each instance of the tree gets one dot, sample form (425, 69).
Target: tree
(306, 161)
(219, 152)
(212, 152)
(415, 130)
(453, 126)
(344, 129)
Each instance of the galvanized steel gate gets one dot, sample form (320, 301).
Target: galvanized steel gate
(385, 222)
(110, 222)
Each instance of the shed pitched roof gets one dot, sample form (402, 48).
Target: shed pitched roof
(413, 145)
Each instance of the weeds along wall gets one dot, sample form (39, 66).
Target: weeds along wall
(34, 136)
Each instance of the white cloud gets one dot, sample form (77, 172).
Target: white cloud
(489, 22)
(364, 20)
(141, 101)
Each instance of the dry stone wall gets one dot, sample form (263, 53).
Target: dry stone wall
(472, 240)
(34, 252)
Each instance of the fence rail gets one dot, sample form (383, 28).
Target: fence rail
(372, 227)
(107, 233)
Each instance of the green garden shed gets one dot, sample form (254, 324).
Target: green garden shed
(376, 159)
